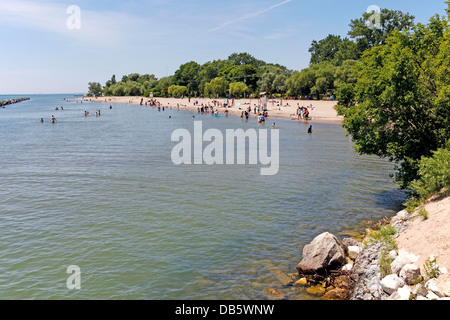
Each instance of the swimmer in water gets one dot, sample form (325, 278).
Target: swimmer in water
(53, 119)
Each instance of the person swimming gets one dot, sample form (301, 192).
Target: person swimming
(53, 119)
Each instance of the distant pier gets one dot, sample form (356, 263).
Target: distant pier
(4, 103)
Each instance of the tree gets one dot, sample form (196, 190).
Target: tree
(237, 89)
(400, 104)
(333, 49)
(177, 91)
(187, 75)
(300, 83)
(94, 89)
(245, 58)
(111, 82)
(217, 87)
(370, 36)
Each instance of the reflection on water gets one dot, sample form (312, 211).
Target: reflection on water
(102, 193)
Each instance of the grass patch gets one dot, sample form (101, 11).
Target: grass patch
(384, 235)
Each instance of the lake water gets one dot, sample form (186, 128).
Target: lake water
(102, 193)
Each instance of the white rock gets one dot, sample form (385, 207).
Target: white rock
(443, 270)
(404, 292)
(392, 254)
(412, 257)
(348, 267)
(444, 298)
(421, 298)
(353, 252)
(431, 285)
(399, 263)
(432, 296)
(391, 283)
(410, 273)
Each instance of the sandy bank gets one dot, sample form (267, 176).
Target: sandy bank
(320, 111)
(430, 237)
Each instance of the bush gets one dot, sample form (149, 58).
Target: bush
(434, 176)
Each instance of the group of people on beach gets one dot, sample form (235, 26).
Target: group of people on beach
(303, 112)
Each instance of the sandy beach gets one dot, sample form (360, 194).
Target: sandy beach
(320, 111)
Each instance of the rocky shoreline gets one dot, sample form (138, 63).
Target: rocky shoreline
(371, 269)
(4, 103)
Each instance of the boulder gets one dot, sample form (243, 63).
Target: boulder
(353, 252)
(420, 290)
(410, 273)
(391, 283)
(323, 253)
(431, 285)
(404, 292)
(401, 260)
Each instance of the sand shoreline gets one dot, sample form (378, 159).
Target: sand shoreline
(320, 111)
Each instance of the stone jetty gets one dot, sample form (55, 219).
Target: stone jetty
(4, 103)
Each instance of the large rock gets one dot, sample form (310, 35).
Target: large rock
(391, 283)
(431, 285)
(410, 273)
(323, 253)
(401, 260)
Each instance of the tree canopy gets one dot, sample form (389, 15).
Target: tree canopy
(399, 106)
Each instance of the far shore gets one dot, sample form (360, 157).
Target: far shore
(319, 110)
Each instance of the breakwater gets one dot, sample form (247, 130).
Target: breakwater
(4, 103)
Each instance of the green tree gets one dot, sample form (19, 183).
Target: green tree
(217, 87)
(177, 91)
(368, 36)
(333, 49)
(94, 89)
(300, 83)
(399, 108)
(237, 89)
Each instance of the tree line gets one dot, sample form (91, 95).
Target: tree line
(332, 64)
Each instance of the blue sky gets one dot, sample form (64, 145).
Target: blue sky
(40, 54)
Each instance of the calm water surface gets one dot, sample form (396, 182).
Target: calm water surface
(102, 193)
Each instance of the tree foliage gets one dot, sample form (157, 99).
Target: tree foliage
(399, 107)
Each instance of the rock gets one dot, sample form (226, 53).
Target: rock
(353, 252)
(392, 254)
(404, 292)
(419, 290)
(273, 294)
(347, 268)
(410, 273)
(431, 285)
(323, 253)
(431, 296)
(365, 275)
(421, 298)
(412, 257)
(318, 290)
(337, 294)
(301, 282)
(348, 242)
(399, 262)
(445, 298)
(391, 283)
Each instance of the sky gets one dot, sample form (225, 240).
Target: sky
(58, 46)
